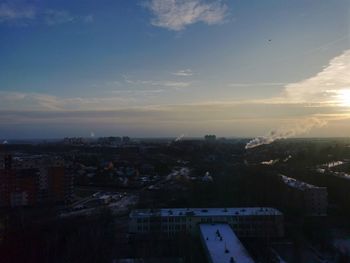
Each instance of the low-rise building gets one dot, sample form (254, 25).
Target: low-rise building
(245, 222)
(222, 245)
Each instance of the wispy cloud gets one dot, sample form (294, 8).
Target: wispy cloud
(177, 14)
(158, 83)
(44, 102)
(56, 17)
(135, 92)
(22, 13)
(183, 73)
(88, 18)
(328, 89)
(11, 12)
(301, 107)
(175, 84)
(124, 111)
(257, 84)
(325, 85)
(108, 115)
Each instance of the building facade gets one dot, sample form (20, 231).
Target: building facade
(310, 199)
(33, 181)
(245, 222)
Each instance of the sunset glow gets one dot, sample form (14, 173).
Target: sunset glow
(343, 97)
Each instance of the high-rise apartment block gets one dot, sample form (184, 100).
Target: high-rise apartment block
(35, 180)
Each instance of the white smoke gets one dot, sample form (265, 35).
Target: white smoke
(271, 162)
(301, 127)
(179, 138)
(287, 159)
(92, 134)
(330, 86)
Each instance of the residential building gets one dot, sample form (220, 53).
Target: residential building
(308, 198)
(246, 222)
(30, 181)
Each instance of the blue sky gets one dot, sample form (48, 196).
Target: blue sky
(170, 67)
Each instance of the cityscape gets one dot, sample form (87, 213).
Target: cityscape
(121, 199)
(174, 131)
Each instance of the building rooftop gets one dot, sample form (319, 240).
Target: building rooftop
(201, 212)
(341, 175)
(298, 184)
(223, 245)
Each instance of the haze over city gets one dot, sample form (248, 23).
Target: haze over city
(166, 67)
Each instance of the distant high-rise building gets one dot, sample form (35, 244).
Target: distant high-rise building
(34, 181)
(210, 137)
(126, 139)
(110, 141)
(74, 141)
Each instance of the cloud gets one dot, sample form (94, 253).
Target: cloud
(112, 115)
(257, 84)
(22, 112)
(177, 14)
(10, 12)
(135, 92)
(175, 84)
(88, 18)
(328, 89)
(56, 17)
(21, 13)
(162, 83)
(22, 101)
(325, 86)
(129, 100)
(183, 73)
(300, 109)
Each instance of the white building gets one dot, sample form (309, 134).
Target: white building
(222, 245)
(245, 222)
(310, 199)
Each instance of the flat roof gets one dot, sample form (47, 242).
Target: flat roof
(298, 184)
(223, 245)
(341, 175)
(202, 212)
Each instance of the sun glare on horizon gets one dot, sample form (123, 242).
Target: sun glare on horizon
(343, 97)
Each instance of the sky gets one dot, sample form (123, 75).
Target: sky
(150, 68)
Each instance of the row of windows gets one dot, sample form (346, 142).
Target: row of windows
(142, 220)
(175, 219)
(211, 219)
(234, 225)
(174, 228)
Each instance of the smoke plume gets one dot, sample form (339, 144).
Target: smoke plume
(329, 87)
(300, 127)
(179, 138)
